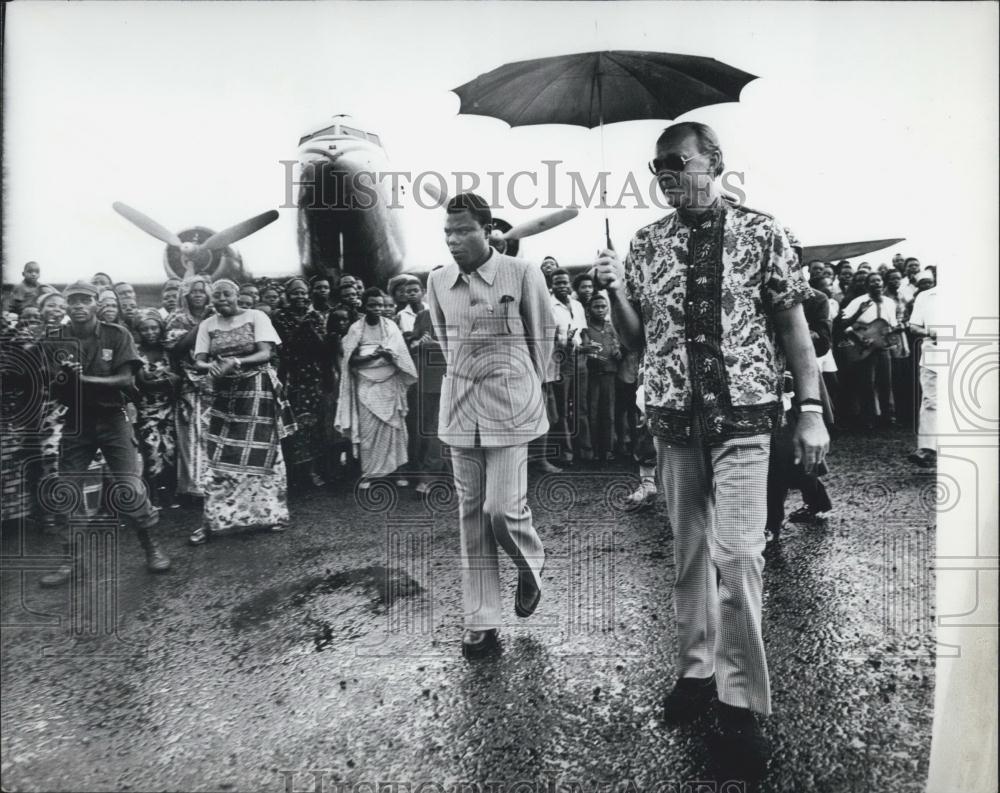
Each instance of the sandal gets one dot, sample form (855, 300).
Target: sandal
(199, 536)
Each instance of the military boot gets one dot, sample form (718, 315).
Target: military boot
(156, 560)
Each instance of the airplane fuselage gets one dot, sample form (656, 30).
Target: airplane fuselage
(347, 221)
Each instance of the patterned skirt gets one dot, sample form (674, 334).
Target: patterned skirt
(244, 475)
(157, 433)
(188, 420)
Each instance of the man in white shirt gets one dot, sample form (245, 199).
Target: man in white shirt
(570, 389)
(874, 372)
(923, 321)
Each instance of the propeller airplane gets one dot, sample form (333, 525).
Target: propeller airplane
(199, 250)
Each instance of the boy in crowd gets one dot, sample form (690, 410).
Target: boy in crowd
(251, 291)
(583, 286)
(25, 293)
(319, 294)
(412, 292)
(128, 311)
(124, 289)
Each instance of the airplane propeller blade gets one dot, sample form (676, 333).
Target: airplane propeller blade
(538, 225)
(438, 195)
(147, 224)
(228, 236)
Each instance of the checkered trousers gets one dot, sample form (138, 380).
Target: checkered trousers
(717, 503)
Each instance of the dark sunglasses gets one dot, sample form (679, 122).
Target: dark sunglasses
(674, 163)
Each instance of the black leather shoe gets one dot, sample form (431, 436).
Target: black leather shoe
(528, 593)
(746, 749)
(690, 697)
(478, 643)
(925, 458)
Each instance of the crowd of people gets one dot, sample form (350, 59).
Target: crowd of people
(245, 392)
(711, 357)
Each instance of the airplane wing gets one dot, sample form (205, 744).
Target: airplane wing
(845, 250)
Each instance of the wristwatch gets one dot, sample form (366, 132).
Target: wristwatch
(809, 408)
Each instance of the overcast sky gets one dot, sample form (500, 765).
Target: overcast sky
(868, 121)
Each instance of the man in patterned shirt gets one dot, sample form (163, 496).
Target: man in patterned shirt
(712, 294)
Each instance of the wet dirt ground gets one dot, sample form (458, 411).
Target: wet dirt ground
(327, 657)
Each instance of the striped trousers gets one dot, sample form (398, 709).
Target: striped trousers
(492, 488)
(717, 503)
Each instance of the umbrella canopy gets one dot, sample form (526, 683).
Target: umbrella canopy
(593, 88)
(845, 250)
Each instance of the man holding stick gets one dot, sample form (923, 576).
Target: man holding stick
(713, 295)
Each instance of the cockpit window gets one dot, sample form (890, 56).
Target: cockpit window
(340, 129)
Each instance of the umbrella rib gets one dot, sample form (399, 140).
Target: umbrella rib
(535, 99)
(688, 77)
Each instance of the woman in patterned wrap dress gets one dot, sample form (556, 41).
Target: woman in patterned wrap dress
(246, 417)
(52, 412)
(158, 393)
(306, 370)
(192, 307)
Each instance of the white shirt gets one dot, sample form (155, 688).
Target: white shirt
(907, 291)
(568, 318)
(885, 310)
(925, 314)
(263, 330)
(405, 318)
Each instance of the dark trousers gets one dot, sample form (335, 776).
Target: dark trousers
(571, 429)
(112, 433)
(902, 388)
(601, 403)
(429, 458)
(784, 475)
(626, 418)
(875, 387)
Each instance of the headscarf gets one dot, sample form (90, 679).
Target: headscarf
(45, 299)
(224, 282)
(183, 309)
(147, 314)
(181, 321)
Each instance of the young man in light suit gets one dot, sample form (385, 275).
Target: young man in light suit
(492, 316)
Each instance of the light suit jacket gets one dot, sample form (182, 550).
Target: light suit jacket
(497, 332)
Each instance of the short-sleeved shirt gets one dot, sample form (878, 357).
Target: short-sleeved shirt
(707, 293)
(887, 310)
(102, 352)
(926, 316)
(22, 296)
(606, 361)
(405, 318)
(223, 337)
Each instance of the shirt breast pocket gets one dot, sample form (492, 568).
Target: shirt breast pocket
(103, 362)
(497, 324)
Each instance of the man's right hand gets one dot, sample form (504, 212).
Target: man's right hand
(610, 272)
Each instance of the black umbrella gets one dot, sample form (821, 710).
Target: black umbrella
(592, 89)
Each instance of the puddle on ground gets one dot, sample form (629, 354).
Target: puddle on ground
(379, 587)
